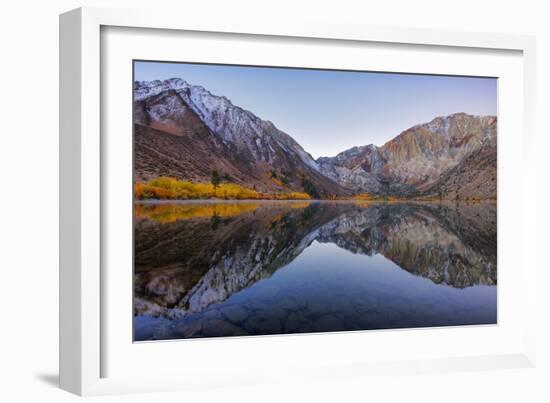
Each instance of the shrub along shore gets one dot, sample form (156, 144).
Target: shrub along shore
(166, 188)
(173, 189)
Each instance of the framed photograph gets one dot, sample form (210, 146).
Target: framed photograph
(258, 200)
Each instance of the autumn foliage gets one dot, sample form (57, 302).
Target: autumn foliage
(370, 197)
(169, 188)
(167, 213)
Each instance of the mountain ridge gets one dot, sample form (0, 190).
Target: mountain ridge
(197, 132)
(410, 163)
(266, 158)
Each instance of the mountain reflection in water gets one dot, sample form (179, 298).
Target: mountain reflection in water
(206, 269)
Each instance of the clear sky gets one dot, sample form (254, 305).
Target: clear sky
(330, 111)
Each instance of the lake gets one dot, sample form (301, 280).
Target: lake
(218, 269)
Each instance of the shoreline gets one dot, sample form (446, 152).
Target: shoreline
(272, 201)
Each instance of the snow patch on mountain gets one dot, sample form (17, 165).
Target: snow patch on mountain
(232, 123)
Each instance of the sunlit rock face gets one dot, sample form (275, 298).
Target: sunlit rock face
(192, 256)
(422, 153)
(437, 159)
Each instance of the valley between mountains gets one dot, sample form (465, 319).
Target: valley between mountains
(189, 143)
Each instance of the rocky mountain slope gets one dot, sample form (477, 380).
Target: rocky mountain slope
(431, 158)
(475, 176)
(184, 131)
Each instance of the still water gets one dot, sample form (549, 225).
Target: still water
(211, 269)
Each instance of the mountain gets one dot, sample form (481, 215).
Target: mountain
(475, 176)
(434, 158)
(184, 131)
(362, 170)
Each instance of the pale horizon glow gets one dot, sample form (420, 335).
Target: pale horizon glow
(328, 111)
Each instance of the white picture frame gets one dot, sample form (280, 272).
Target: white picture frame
(83, 295)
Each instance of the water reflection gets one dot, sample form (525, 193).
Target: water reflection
(221, 269)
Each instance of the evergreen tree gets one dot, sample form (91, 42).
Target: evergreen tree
(215, 179)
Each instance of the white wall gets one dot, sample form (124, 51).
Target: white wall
(28, 200)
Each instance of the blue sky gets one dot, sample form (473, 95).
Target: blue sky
(331, 111)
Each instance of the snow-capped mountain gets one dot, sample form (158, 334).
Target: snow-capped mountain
(197, 131)
(184, 131)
